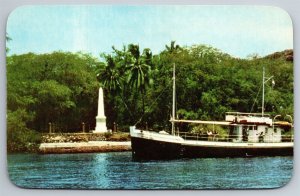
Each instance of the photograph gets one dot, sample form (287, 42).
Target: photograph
(150, 97)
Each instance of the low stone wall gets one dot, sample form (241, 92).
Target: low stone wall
(84, 142)
(84, 137)
(84, 147)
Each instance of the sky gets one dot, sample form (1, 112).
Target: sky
(237, 30)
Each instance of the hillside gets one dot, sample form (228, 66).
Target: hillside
(61, 89)
(288, 55)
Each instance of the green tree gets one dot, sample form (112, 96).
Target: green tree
(62, 87)
(173, 47)
(139, 71)
(110, 77)
(57, 87)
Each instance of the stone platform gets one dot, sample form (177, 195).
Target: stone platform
(84, 147)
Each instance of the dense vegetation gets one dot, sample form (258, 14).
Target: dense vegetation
(61, 88)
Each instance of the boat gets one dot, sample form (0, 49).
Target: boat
(249, 135)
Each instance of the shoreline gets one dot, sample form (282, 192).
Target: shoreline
(84, 147)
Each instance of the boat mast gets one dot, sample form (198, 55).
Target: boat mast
(173, 104)
(265, 80)
(263, 94)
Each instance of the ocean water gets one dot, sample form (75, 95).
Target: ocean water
(118, 171)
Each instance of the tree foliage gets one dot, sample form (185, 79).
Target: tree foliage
(59, 88)
(62, 87)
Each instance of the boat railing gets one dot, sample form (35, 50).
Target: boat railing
(247, 114)
(231, 138)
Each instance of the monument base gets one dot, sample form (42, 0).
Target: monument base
(100, 125)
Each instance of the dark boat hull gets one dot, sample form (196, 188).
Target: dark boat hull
(148, 149)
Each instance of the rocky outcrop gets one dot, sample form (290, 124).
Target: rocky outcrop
(288, 55)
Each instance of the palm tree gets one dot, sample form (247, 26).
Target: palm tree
(139, 70)
(128, 63)
(173, 47)
(110, 77)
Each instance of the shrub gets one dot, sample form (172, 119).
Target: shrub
(19, 137)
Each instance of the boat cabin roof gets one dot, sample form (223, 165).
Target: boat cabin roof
(247, 114)
(240, 119)
(248, 118)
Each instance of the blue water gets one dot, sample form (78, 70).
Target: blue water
(118, 171)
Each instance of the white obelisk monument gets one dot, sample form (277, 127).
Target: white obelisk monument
(100, 118)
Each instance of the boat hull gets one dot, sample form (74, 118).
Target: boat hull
(205, 151)
(151, 149)
(146, 149)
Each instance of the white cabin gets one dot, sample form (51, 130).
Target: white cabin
(253, 127)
